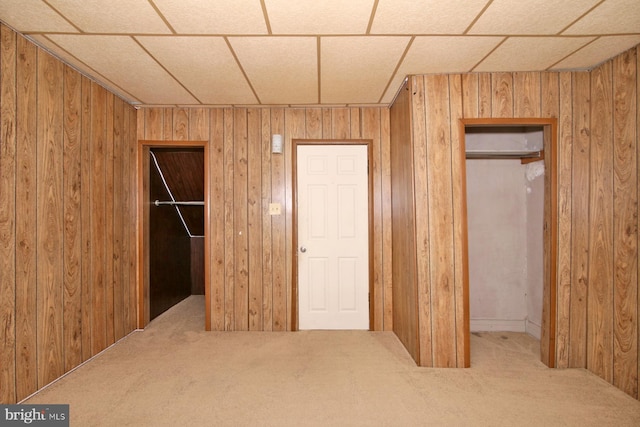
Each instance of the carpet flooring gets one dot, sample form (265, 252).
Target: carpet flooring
(175, 374)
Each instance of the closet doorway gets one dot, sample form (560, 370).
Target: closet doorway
(511, 227)
(173, 218)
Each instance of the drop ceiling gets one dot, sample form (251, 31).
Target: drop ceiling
(314, 52)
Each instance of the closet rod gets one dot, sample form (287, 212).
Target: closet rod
(525, 156)
(194, 203)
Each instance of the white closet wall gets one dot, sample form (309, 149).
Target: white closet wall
(505, 214)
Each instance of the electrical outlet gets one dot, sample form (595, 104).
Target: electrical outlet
(275, 209)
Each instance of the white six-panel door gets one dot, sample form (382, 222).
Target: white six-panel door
(333, 237)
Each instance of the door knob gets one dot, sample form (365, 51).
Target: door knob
(303, 249)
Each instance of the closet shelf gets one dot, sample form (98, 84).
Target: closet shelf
(524, 156)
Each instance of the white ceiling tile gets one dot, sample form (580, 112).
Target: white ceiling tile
(441, 54)
(530, 17)
(353, 69)
(113, 16)
(531, 53)
(611, 17)
(204, 65)
(33, 15)
(282, 70)
(214, 17)
(319, 17)
(597, 52)
(123, 61)
(425, 17)
(446, 54)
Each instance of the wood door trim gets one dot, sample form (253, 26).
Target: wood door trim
(294, 216)
(142, 230)
(551, 150)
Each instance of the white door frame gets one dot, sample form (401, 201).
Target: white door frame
(294, 150)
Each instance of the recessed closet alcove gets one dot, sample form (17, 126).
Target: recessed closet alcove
(505, 211)
(510, 198)
(176, 229)
(173, 217)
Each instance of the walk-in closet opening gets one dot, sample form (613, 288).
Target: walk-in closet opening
(509, 259)
(173, 218)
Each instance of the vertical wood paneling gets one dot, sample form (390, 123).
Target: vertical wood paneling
(406, 321)
(580, 195)
(26, 215)
(85, 202)
(133, 268)
(371, 130)
(108, 220)
(254, 217)
(198, 124)
(167, 123)
(72, 184)
(117, 221)
(180, 128)
(229, 230)
(502, 95)
(548, 320)
(50, 219)
(327, 124)
(485, 95)
(470, 84)
(558, 88)
(313, 122)
(637, 49)
(98, 220)
(600, 293)
(625, 224)
(217, 218)
(278, 227)
(128, 233)
(459, 218)
(48, 123)
(422, 236)
(440, 221)
(340, 128)
(7, 215)
(387, 236)
(267, 236)
(354, 123)
(526, 89)
(240, 220)
(295, 129)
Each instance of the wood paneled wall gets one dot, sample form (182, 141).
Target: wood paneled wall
(67, 270)
(251, 251)
(597, 184)
(406, 205)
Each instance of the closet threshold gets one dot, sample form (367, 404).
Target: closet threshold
(524, 156)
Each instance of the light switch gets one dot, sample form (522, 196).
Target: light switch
(275, 209)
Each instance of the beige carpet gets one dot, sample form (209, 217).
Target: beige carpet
(175, 374)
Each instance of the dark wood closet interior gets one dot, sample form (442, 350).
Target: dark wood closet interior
(176, 230)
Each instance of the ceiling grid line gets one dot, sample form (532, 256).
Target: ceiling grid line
(395, 71)
(161, 15)
(242, 70)
(134, 38)
(64, 17)
(572, 53)
(486, 6)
